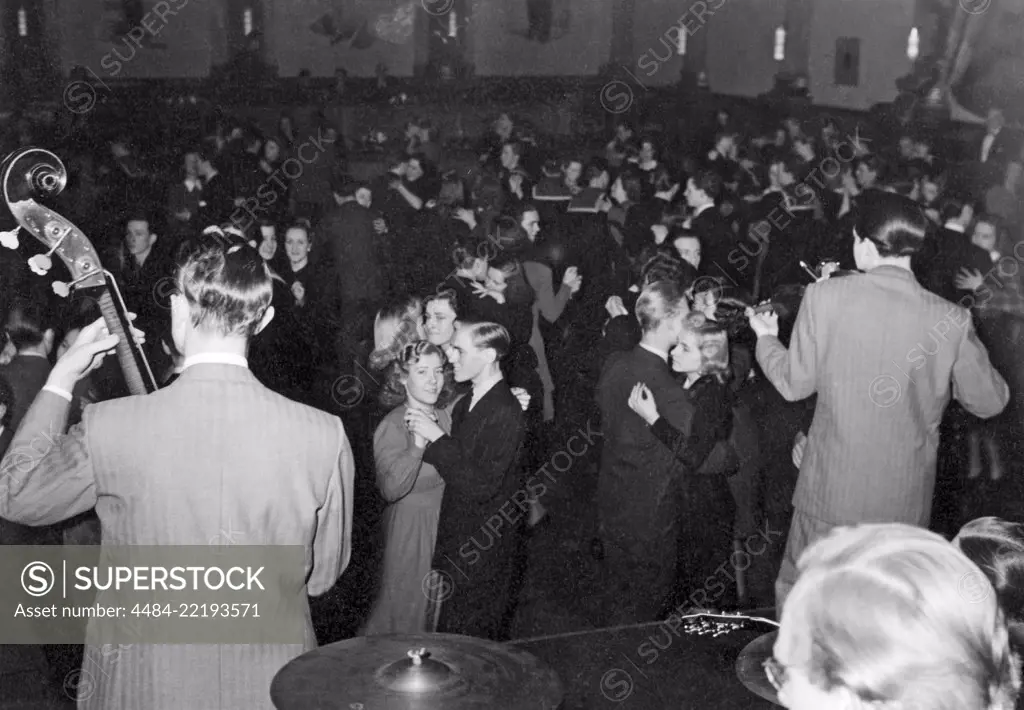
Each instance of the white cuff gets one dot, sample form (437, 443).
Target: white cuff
(58, 391)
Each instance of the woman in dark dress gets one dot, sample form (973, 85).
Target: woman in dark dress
(707, 510)
(537, 265)
(727, 306)
(267, 344)
(305, 313)
(634, 212)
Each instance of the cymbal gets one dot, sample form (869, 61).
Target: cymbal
(416, 672)
(750, 666)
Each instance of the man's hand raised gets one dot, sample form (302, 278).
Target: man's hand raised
(763, 323)
(93, 343)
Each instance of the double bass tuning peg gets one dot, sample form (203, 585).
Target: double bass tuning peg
(40, 264)
(9, 238)
(61, 289)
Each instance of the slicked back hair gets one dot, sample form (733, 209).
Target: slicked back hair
(227, 287)
(895, 224)
(659, 302)
(490, 336)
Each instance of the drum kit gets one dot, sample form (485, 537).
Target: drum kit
(430, 671)
(416, 672)
(750, 667)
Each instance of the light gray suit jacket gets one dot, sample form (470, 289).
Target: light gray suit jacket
(214, 454)
(883, 355)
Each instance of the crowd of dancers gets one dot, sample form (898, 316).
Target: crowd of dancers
(472, 317)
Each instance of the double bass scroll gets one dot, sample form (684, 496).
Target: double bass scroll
(32, 174)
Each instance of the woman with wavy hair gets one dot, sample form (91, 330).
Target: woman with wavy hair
(412, 488)
(398, 324)
(707, 509)
(892, 616)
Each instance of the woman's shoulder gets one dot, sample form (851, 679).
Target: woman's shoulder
(712, 389)
(392, 420)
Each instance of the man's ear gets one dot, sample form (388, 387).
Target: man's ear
(265, 321)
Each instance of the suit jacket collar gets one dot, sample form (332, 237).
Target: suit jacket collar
(702, 209)
(215, 359)
(651, 350)
(643, 352)
(462, 410)
(893, 272)
(218, 372)
(478, 393)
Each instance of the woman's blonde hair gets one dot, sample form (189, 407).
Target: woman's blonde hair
(713, 343)
(393, 392)
(897, 615)
(394, 327)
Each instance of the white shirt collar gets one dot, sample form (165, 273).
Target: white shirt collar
(954, 227)
(215, 359)
(479, 390)
(703, 208)
(193, 184)
(651, 349)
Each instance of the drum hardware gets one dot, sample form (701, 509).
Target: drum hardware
(750, 667)
(416, 672)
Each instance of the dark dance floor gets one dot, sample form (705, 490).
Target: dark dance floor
(648, 667)
(563, 595)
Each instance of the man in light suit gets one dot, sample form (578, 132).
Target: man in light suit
(216, 454)
(883, 355)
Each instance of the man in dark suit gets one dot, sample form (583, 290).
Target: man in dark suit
(218, 202)
(183, 200)
(719, 245)
(214, 455)
(997, 149)
(398, 204)
(949, 250)
(144, 260)
(884, 355)
(30, 328)
(720, 157)
(479, 532)
(637, 484)
(348, 232)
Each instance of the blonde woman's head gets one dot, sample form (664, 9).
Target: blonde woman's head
(703, 348)
(893, 616)
(395, 326)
